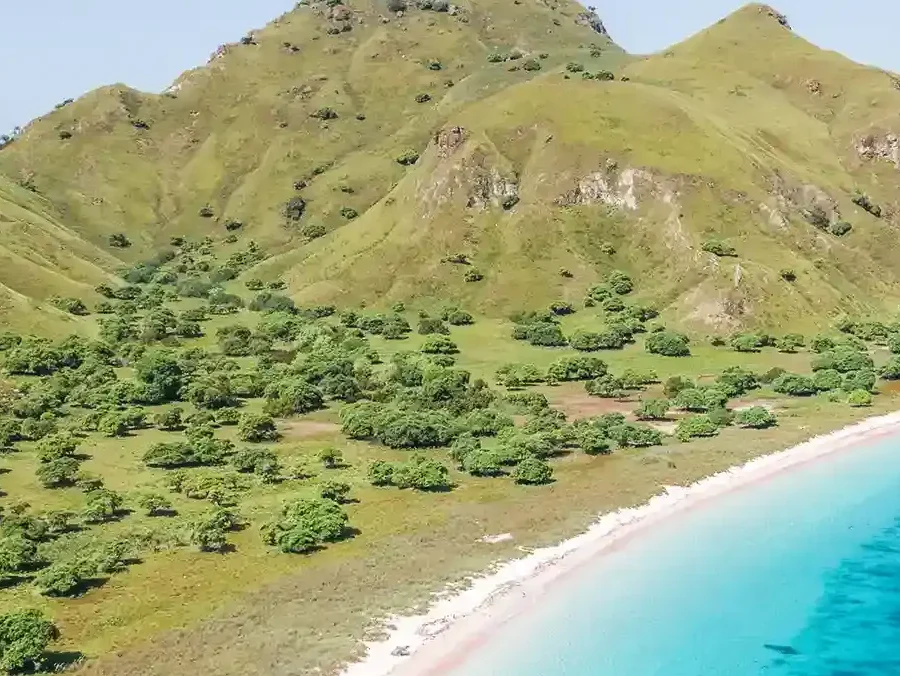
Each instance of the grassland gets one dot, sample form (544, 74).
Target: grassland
(734, 135)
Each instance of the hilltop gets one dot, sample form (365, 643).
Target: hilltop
(362, 147)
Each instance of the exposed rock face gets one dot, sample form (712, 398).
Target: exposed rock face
(491, 188)
(593, 21)
(449, 139)
(778, 16)
(880, 147)
(474, 177)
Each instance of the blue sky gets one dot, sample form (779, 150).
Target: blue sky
(54, 49)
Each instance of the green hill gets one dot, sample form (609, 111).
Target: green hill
(745, 134)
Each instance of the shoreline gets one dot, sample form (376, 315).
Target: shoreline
(456, 622)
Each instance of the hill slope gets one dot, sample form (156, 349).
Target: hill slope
(745, 133)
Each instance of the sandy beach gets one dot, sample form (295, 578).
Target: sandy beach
(432, 642)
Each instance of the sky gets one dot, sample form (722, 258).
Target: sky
(53, 50)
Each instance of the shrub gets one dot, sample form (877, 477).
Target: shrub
(865, 203)
(338, 491)
(652, 409)
(155, 504)
(592, 441)
(718, 248)
(827, 379)
(788, 275)
(290, 397)
(634, 436)
(794, 385)
(606, 387)
(532, 471)
(859, 380)
(531, 65)
(840, 228)
(700, 399)
(119, 241)
(756, 417)
(423, 98)
(589, 341)
(747, 342)
(421, 474)
(24, 637)
(843, 360)
(676, 384)
(102, 505)
(891, 369)
(482, 462)
(440, 345)
(577, 368)
(473, 276)
(257, 428)
(457, 317)
(58, 473)
(669, 344)
(619, 283)
(380, 473)
(325, 114)
(736, 381)
(859, 398)
(695, 426)
(790, 343)
(574, 67)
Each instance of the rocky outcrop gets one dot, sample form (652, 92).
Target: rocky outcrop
(448, 140)
(884, 146)
(593, 21)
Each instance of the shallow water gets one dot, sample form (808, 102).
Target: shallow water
(798, 575)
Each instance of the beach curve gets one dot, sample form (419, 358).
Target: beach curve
(456, 622)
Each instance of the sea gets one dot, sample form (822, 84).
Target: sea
(795, 575)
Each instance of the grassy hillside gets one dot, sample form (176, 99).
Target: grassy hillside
(238, 134)
(744, 134)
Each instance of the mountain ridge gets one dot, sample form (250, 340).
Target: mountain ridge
(743, 132)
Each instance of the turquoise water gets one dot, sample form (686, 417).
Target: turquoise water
(796, 576)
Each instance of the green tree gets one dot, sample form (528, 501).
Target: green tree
(170, 420)
(891, 369)
(859, 380)
(756, 417)
(669, 344)
(155, 504)
(305, 525)
(532, 471)
(696, 426)
(56, 446)
(102, 505)
(209, 533)
(828, 379)
(58, 473)
(380, 473)
(161, 371)
(338, 491)
(24, 637)
(652, 409)
(794, 385)
(422, 474)
(257, 428)
(61, 579)
(290, 397)
(860, 398)
(331, 458)
(439, 345)
(593, 441)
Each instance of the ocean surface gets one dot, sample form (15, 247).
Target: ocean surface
(798, 575)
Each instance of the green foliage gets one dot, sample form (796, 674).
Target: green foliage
(700, 399)
(577, 368)
(607, 387)
(58, 473)
(828, 379)
(591, 341)
(422, 474)
(794, 385)
(668, 344)
(634, 435)
(859, 380)
(102, 505)
(844, 360)
(736, 381)
(257, 428)
(695, 426)
(305, 525)
(718, 248)
(24, 637)
(338, 491)
(859, 398)
(652, 409)
(289, 397)
(331, 457)
(155, 504)
(747, 342)
(532, 471)
(439, 345)
(430, 325)
(756, 417)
